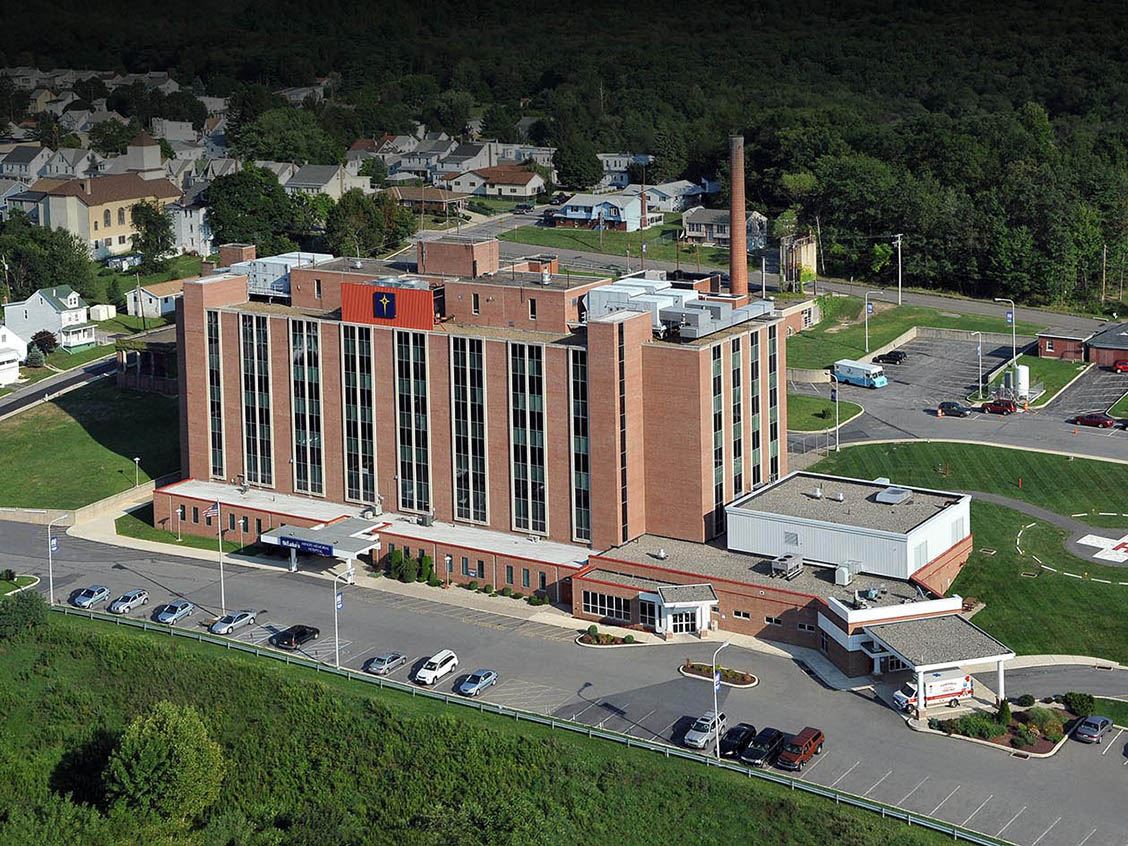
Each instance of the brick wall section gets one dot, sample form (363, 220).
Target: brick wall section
(1069, 349)
(939, 573)
(230, 254)
(166, 501)
(452, 258)
(1105, 357)
(508, 305)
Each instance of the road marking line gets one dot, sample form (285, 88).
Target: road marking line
(662, 733)
(977, 810)
(1102, 581)
(589, 707)
(818, 761)
(1087, 836)
(1105, 752)
(835, 782)
(1044, 833)
(876, 783)
(911, 792)
(945, 799)
(1071, 575)
(1012, 819)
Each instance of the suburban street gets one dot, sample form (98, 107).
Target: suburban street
(24, 397)
(870, 751)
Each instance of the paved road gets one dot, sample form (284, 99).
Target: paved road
(1073, 799)
(1047, 681)
(24, 397)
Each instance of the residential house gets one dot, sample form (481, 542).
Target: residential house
(96, 117)
(98, 209)
(215, 136)
(434, 200)
(333, 180)
(222, 167)
(59, 104)
(285, 171)
(710, 227)
(464, 158)
(39, 98)
(298, 94)
(363, 148)
(389, 148)
(180, 172)
(190, 230)
(615, 168)
(157, 300)
(521, 153)
(506, 181)
(24, 78)
(70, 163)
(9, 188)
(25, 163)
(607, 211)
(74, 120)
(173, 130)
(13, 350)
(59, 310)
(214, 105)
(424, 159)
(673, 196)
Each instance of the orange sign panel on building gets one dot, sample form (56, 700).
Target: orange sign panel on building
(383, 305)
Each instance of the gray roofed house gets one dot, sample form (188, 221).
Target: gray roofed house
(1112, 338)
(73, 162)
(333, 180)
(59, 310)
(25, 162)
(711, 226)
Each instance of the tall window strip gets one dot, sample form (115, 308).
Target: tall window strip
(581, 448)
(737, 417)
(412, 414)
(773, 402)
(718, 441)
(305, 367)
(215, 395)
(526, 410)
(360, 443)
(468, 414)
(258, 449)
(623, 434)
(754, 404)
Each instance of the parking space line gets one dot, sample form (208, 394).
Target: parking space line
(876, 783)
(1087, 836)
(945, 799)
(915, 789)
(576, 716)
(1110, 745)
(818, 761)
(835, 782)
(1047, 831)
(1012, 819)
(977, 810)
(662, 734)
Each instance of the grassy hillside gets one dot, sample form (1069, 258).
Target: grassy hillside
(313, 761)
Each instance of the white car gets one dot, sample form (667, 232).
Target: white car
(227, 624)
(438, 665)
(705, 729)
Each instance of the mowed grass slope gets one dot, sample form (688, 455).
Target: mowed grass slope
(1056, 482)
(79, 447)
(315, 760)
(813, 414)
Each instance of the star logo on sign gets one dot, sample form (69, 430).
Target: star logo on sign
(384, 301)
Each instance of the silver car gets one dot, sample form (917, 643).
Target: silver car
(231, 621)
(705, 729)
(129, 601)
(91, 596)
(381, 665)
(477, 681)
(176, 611)
(1093, 729)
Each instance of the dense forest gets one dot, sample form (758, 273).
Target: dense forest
(992, 135)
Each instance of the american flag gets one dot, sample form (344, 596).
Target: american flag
(213, 510)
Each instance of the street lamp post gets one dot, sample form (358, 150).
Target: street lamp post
(347, 576)
(447, 560)
(836, 390)
(716, 711)
(219, 547)
(136, 471)
(51, 559)
(1013, 316)
(979, 351)
(867, 310)
(897, 244)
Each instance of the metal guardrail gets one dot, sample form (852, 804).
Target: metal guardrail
(840, 798)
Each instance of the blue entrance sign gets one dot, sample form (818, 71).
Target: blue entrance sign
(1010, 318)
(312, 547)
(340, 600)
(833, 394)
(869, 308)
(54, 543)
(717, 680)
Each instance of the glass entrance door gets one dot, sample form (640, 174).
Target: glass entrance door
(683, 622)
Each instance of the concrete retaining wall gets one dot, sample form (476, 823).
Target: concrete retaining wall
(43, 516)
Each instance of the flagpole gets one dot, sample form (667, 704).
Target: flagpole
(219, 547)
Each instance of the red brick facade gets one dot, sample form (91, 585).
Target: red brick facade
(1069, 349)
(939, 573)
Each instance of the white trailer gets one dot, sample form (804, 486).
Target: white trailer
(944, 687)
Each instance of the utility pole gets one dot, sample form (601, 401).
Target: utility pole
(1104, 271)
(763, 278)
(897, 244)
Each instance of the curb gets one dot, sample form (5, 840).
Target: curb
(681, 669)
(802, 432)
(1011, 751)
(987, 444)
(25, 587)
(612, 645)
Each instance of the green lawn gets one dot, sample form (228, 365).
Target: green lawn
(1120, 409)
(139, 524)
(127, 324)
(29, 376)
(180, 267)
(79, 447)
(65, 360)
(813, 414)
(1056, 482)
(496, 205)
(661, 242)
(7, 587)
(841, 332)
(1049, 614)
(315, 759)
(1114, 709)
(1053, 372)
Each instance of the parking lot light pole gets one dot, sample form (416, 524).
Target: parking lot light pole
(1013, 323)
(979, 350)
(136, 471)
(837, 396)
(867, 310)
(347, 575)
(51, 559)
(716, 709)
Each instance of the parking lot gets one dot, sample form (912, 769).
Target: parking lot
(1096, 390)
(937, 369)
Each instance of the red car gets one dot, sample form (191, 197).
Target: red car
(1120, 366)
(1000, 406)
(1095, 418)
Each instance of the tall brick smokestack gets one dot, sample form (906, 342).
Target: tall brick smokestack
(738, 237)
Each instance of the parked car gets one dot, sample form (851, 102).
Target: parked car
(91, 596)
(954, 409)
(522, 208)
(1093, 729)
(129, 601)
(174, 612)
(736, 740)
(801, 748)
(1120, 366)
(559, 199)
(1095, 418)
(891, 357)
(705, 729)
(227, 624)
(440, 664)
(1000, 406)
(295, 636)
(764, 748)
(477, 681)
(381, 665)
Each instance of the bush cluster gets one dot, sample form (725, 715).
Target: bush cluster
(20, 613)
(1081, 704)
(1025, 701)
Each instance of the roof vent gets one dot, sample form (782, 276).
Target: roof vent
(546, 277)
(818, 494)
(357, 264)
(662, 554)
(840, 497)
(895, 496)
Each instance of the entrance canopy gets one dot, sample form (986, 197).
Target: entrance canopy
(938, 643)
(344, 539)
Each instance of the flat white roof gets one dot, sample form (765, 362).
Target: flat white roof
(262, 500)
(488, 540)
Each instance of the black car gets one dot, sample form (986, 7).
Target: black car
(559, 199)
(891, 357)
(295, 637)
(736, 740)
(764, 748)
(522, 208)
(954, 409)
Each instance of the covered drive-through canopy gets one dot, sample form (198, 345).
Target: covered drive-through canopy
(344, 540)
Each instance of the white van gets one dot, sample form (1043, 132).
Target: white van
(438, 665)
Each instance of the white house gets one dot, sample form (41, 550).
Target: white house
(674, 196)
(615, 167)
(506, 181)
(190, 230)
(333, 180)
(25, 162)
(154, 300)
(173, 130)
(8, 188)
(59, 310)
(13, 350)
(71, 163)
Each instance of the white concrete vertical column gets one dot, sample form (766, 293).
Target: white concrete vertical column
(1000, 683)
(920, 695)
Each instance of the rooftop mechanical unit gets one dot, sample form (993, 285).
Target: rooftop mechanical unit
(787, 566)
(894, 496)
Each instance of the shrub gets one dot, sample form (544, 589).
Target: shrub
(518, 596)
(473, 585)
(434, 582)
(20, 613)
(487, 588)
(45, 340)
(1026, 700)
(629, 639)
(9, 575)
(410, 570)
(1081, 704)
(428, 568)
(978, 725)
(506, 591)
(1046, 721)
(1003, 713)
(593, 630)
(35, 357)
(395, 564)
(1022, 737)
